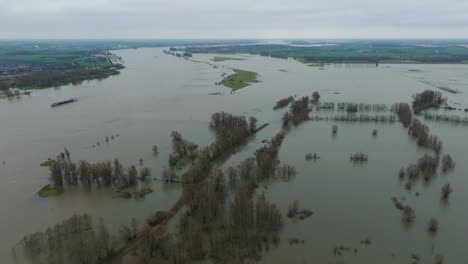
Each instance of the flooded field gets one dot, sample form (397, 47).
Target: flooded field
(159, 93)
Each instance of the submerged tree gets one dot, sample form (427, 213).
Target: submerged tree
(408, 214)
(446, 191)
(315, 97)
(145, 173)
(433, 225)
(334, 130)
(404, 113)
(447, 163)
(252, 124)
(155, 150)
(283, 102)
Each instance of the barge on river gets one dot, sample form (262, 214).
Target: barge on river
(64, 102)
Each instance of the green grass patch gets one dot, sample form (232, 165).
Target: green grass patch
(218, 59)
(47, 163)
(48, 191)
(239, 79)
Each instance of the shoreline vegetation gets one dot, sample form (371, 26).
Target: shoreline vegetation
(240, 79)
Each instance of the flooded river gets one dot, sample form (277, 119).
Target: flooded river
(158, 93)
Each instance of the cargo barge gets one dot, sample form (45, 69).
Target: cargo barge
(64, 102)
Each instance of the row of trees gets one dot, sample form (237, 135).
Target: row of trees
(361, 118)
(455, 119)
(65, 172)
(425, 166)
(421, 132)
(231, 131)
(267, 156)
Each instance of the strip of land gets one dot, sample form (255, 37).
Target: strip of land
(219, 59)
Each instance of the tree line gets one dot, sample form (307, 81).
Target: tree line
(65, 172)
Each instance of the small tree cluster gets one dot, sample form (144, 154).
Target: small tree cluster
(359, 157)
(283, 102)
(447, 163)
(408, 214)
(298, 112)
(426, 166)
(295, 211)
(225, 124)
(311, 156)
(427, 99)
(315, 97)
(63, 171)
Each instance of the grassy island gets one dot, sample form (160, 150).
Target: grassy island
(239, 79)
(47, 163)
(48, 191)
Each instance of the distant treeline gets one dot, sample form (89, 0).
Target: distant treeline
(347, 52)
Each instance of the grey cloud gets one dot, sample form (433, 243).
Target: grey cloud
(233, 19)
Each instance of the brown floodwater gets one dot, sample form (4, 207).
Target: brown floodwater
(157, 93)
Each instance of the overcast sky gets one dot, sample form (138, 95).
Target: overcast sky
(151, 19)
